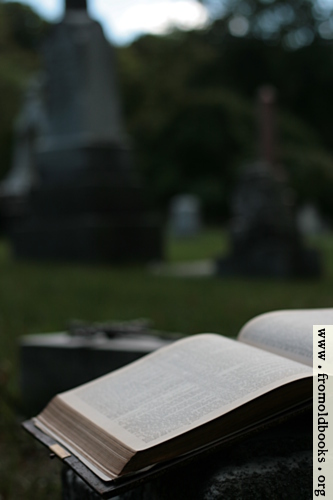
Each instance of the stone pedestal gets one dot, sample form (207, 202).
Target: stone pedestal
(265, 241)
(275, 464)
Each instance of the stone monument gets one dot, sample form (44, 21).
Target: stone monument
(73, 194)
(263, 231)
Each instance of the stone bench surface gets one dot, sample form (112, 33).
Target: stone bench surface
(274, 464)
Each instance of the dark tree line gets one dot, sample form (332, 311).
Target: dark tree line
(190, 105)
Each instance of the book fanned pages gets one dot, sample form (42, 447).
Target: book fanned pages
(182, 401)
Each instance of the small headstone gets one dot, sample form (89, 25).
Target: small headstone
(185, 215)
(309, 221)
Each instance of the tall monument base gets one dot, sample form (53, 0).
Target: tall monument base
(89, 240)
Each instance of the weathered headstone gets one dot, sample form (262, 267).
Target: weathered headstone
(264, 237)
(73, 170)
(185, 215)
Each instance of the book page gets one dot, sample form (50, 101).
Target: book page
(179, 388)
(288, 333)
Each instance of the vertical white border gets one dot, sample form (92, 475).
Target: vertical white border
(323, 411)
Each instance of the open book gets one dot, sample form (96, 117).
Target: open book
(183, 396)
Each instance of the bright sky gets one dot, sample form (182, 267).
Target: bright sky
(123, 20)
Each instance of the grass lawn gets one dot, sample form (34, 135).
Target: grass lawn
(43, 298)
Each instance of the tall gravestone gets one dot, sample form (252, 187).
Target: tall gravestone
(263, 232)
(73, 193)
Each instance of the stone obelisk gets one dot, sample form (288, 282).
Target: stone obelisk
(263, 233)
(86, 202)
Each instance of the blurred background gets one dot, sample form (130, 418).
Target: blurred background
(189, 95)
(188, 75)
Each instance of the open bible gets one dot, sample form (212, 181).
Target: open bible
(195, 391)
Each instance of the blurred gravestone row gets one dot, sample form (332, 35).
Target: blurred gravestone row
(74, 195)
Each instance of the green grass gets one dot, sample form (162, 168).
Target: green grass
(44, 298)
(205, 245)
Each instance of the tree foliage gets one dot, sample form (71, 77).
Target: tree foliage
(291, 23)
(20, 32)
(190, 107)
